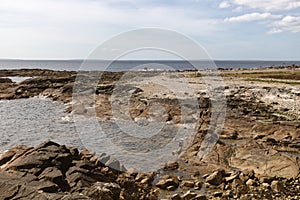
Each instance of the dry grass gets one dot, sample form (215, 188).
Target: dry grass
(285, 77)
(273, 81)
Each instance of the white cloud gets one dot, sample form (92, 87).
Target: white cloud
(288, 23)
(278, 23)
(252, 17)
(224, 4)
(66, 13)
(80, 25)
(268, 5)
(238, 9)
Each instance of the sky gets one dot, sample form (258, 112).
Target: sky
(227, 29)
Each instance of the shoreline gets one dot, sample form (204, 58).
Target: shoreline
(260, 137)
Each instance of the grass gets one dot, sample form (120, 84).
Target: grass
(287, 75)
(273, 81)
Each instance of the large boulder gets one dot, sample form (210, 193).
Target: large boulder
(53, 171)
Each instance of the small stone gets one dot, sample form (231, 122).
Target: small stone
(277, 186)
(227, 187)
(146, 180)
(244, 177)
(175, 197)
(188, 184)
(215, 178)
(236, 183)
(251, 182)
(94, 159)
(198, 185)
(107, 191)
(200, 197)
(265, 185)
(257, 137)
(234, 135)
(218, 194)
(166, 183)
(271, 141)
(242, 189)
(232, 177)
(251, 174)
(228, 194)
(189, 195)
(266, 179)
(171, 188)
(205, 176)
(171, 165)
(132, 172)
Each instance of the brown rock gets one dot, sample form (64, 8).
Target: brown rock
(277, 186)
(5, 80)
(188, 184)
(198, 185)
(266, 179)
(75, 195)
(200, 197)
(218, 194)
(215, 178)
(55, 175)
(232, 177)
(168, 184)
(251, 182)
(58, 172)
(175, 197)
(8, 190)
(189, 195)
(13, 153)
(86, 154)
(236, 183)
(171, 165)
(45, 186)
(104, 191)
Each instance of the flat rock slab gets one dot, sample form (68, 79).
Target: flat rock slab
(262, 162)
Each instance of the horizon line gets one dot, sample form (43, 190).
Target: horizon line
(79, 59)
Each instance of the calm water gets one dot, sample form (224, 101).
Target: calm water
(128, 65)
(33, 121)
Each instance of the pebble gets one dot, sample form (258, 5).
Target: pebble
(188, 184)
(189, 195)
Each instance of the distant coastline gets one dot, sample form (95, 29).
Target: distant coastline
(126, 65)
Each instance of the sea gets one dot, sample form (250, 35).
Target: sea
(126, 65)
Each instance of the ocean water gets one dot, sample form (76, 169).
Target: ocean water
(33, 121)
(75, 65)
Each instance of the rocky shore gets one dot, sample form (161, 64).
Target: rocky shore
(53, 171)
(257, 154)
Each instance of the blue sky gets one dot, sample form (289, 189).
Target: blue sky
(227, 29)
